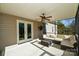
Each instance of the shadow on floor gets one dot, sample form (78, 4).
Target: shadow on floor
(67, 52)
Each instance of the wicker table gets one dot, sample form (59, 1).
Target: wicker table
(46, 42)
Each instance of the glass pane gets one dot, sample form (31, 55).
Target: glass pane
(21, 31)
(28, 30)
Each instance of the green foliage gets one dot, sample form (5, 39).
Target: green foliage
(62, 29)
(72, 26)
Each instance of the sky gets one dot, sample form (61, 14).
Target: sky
(66, 22)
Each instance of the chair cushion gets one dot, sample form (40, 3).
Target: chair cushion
(60, 36)
(72, 39)
(51, 35)
(66, 43)
(58, 39)
(67, 36)
(69, 41)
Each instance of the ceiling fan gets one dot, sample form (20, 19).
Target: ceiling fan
(44, 18)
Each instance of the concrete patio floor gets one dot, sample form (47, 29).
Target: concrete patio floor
(33, 48)
(29, 49)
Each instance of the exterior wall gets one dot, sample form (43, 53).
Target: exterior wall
(36, 30)
(8, 29)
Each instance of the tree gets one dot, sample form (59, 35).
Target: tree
(69, 29)
(60, 27)
(72, 27)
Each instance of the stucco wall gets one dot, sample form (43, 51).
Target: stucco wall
(8, 29)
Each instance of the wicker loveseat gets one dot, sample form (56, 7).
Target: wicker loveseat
(65, 40)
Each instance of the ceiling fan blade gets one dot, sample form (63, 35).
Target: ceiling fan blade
(41, 16)
(49, 17)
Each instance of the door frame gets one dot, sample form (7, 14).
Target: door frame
(25, 29)
(28, 22)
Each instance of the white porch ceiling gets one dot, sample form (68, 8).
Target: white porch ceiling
(34, 10)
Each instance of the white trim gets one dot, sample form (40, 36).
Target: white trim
(25, 24)
(17, 32)
(18, 21)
